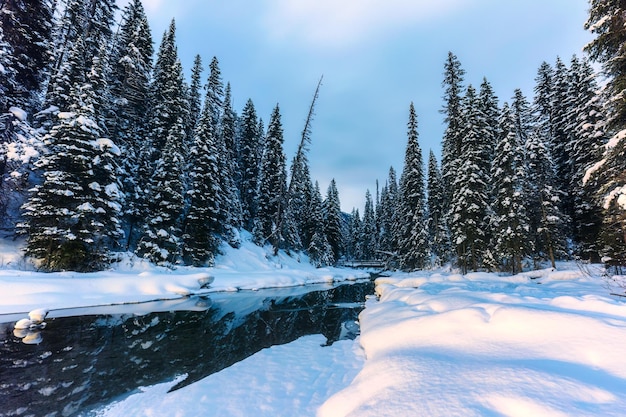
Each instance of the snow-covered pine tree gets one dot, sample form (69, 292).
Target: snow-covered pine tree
(488, 102)
(469, 208)
(319, 250)
(27, 28)
(509, 223)
(387, 241)
(203, 223)
(367, 235)
(195, 100)
(585, 149)
(98, 29)
(547, 222)
(215, 91)
(166, 88)
(561, 132)
(162, 197)
(228, 129)
(452, 139)
(272, 197)
(72, 218)
(606, 20)
(232, 211)
(72, 72)
(249, 164)
(413, 237)
(543, 102)
(438, 234)
(355, 245)
(332, 221)
(129, 81)
(20, 144)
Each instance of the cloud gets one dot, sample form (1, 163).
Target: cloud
(333, 23)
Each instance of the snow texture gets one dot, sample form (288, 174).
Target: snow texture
(541, 343)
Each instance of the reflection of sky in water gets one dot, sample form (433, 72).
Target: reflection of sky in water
(85, 357)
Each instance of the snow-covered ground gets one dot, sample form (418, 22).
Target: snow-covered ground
(134, 280)
(488, 345)
(541, 343)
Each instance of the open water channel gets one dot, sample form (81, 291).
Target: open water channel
(85, 358)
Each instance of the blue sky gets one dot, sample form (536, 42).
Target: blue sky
(376, 56)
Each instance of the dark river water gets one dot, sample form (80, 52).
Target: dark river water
(86, 358)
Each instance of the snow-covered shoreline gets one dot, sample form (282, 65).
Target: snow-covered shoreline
(483, 344)
(134, 280)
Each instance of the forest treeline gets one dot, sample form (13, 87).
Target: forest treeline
(105, 147)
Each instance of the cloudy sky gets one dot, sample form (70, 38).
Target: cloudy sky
(376, 56)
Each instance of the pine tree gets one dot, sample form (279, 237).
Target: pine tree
(203, 223)
(232, 212)
(129, 80)
(161, 199)
(229, 135)
(27, 29)
(608, 176)
(585, 148)
(72, 218)
(319, 250)
(272, 187)
(195, 101)
(351, 234)
(438, 235)
(561, 133)
(606, 20)
(367, 236)
(469, 208)
(215, 91)
(332, 221)
(489, 107)
(249, 163)
(413, 237)
(543, 102)
(547, 222)
(388, 242)
(452, 139)
(509, 223)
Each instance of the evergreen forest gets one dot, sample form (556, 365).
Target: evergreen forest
(106, 148)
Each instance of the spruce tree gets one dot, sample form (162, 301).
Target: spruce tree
(232, 212)
(202, 223)
(161, 199)
(438, 235)
(215, 91)
(332, 221)
(509, 223)
(452, 139)
(131, 68)
(469, 208)
(561, 133)
(413, 237)
(585, 148)
(388, 242)
(547, 222)
(272, 187)
(319, 250)
(195, 100)
(249, 163)
(72, 218)
(26, 27)
(367, 234)
(608, 176)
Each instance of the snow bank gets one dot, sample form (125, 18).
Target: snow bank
(286, 380)
(490, 345)
(136, 280)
